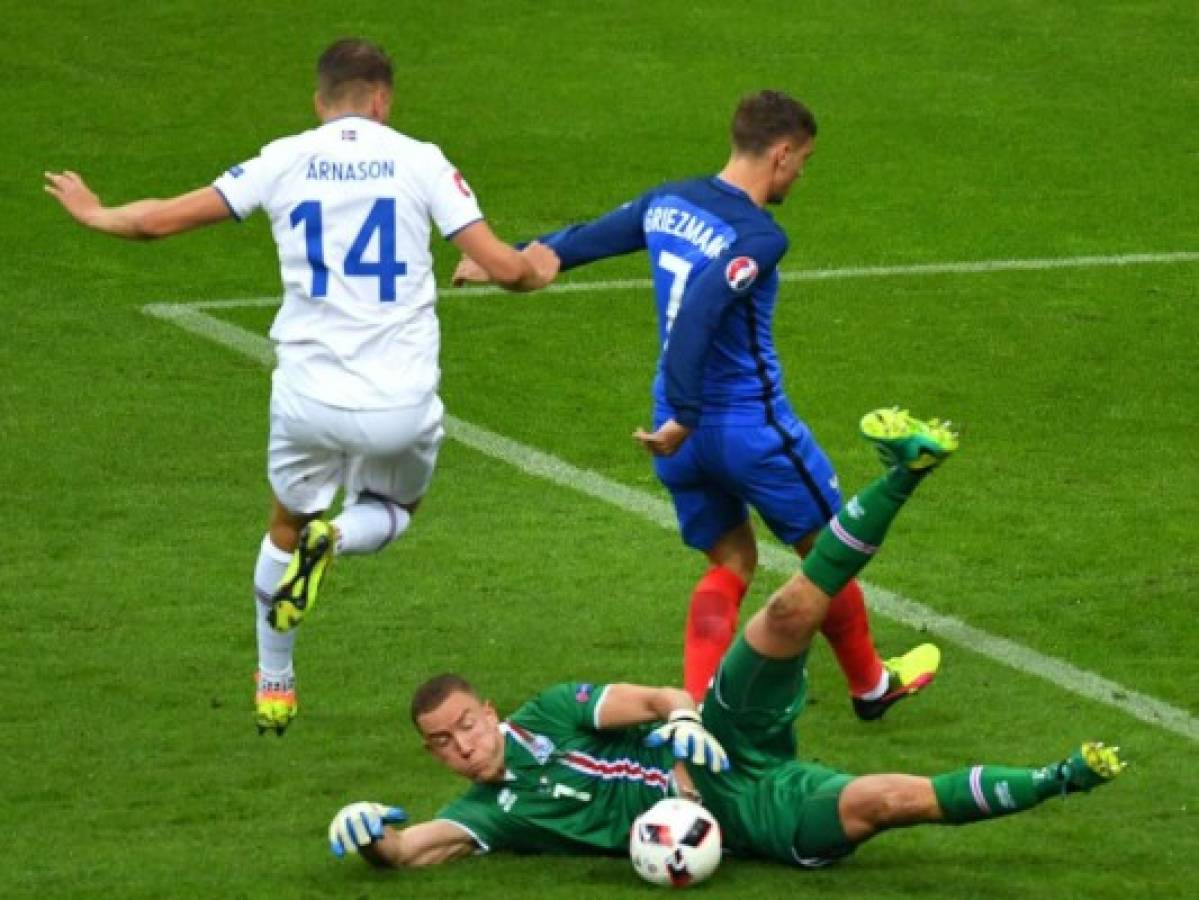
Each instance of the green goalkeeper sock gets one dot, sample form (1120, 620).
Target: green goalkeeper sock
(985, 792)
(847, 543)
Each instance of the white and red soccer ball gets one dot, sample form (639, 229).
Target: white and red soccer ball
(675, 843)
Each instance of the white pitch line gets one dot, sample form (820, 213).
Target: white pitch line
(975, 267)
(189, 317)
(904, 610)
(966, 267)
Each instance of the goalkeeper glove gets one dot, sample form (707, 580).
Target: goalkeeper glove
(689, 740)
(360, 825)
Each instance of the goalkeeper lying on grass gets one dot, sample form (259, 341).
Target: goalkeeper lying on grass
(570, 770)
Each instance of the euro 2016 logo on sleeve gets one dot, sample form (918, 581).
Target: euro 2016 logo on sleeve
(740, 273)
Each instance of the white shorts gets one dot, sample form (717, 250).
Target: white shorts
(314, 449)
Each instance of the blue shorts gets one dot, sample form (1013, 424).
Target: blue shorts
(732, 462)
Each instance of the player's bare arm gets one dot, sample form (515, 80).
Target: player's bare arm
(142, 219)
(368, 829)
(637, 704)
(527, 270)
(543, 258)
(423, 844)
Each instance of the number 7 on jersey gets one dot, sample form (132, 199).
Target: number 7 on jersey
(680, 269)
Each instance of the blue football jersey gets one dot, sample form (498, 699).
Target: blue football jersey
(714, 255)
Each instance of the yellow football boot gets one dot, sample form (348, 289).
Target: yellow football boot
(908, 674)
(296, 594)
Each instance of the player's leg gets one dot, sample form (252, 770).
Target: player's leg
(715, 606)
(369, 522)
(796, 490)
(391, 467)
(312, 541)
(767, 795)
(275, 703)
(846, 627)
(874, 803)
(388, 474)
(371, 446)
(284, 526)
(716, 523)
(304, 475)
(306, 465)
(737, 551)
(875, 684)
(911, 448)
(788, 478)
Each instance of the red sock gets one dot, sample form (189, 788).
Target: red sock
(848, 632)
(711, 624)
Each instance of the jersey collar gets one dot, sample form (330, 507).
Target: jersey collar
(349, 116)
(537, 746)
(721, 185)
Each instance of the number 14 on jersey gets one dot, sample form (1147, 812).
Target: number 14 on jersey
(381, 220)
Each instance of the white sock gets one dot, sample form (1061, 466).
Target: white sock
(274, 647)
(884, 683)
(370, 524)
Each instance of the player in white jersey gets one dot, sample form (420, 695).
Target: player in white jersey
(354, 400)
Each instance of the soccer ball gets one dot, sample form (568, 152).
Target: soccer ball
(675, 843)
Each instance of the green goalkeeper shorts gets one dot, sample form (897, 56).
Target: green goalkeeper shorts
(768, 803)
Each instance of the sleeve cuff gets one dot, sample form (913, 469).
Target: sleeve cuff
(481, 845)
(463, 226)
(595, 711)
(232, 211)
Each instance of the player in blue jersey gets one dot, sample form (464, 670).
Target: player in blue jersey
(725, 436)
(570, 770)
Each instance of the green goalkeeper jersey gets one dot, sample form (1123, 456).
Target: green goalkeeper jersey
(569, 786)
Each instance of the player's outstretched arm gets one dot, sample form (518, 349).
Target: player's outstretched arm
(613, 234)
(142, 219)
(365, 828)
(487, 258)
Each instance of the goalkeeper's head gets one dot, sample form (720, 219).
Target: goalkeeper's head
(774, 131)
(459, 728)
(353, 77)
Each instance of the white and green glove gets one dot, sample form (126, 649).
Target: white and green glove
(689, 740)
(360, 825)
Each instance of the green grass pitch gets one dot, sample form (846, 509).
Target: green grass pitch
(133, 452)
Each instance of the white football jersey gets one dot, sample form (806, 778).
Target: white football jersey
(350, 205)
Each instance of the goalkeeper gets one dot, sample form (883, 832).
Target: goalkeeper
(571, 769)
